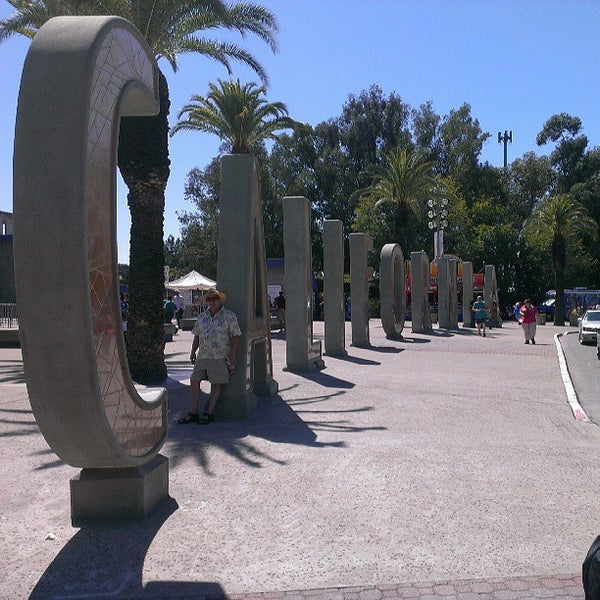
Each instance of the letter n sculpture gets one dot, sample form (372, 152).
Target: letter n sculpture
(80, 76)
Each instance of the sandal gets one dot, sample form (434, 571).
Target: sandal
(205, 419)
(189, 418)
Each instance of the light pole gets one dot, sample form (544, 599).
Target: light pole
(438, 213)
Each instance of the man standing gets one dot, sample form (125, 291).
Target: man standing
(216, 338)
(180, 304)
(480, 312)
(280, 306)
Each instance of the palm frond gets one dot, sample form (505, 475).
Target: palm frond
(237, 113)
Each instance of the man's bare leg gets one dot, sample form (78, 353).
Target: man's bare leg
(194, 396)
(215, 390)
(192, 416)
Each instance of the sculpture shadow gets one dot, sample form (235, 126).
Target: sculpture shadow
(11, 371)
(358, 361)
(414, 340)
(17, 422)
(325, 379)
(272, 419)
(387, 349)
(329, 425)
(106, 560)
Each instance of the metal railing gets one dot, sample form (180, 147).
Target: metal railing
(9, 316)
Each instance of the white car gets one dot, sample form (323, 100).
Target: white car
(589, 326)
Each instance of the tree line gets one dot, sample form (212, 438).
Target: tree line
(375, 166)
(342, 165)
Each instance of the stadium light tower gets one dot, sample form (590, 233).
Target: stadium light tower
(438, 215)
(506, 138)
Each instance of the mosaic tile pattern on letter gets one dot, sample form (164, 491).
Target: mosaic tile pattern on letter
(120, 60)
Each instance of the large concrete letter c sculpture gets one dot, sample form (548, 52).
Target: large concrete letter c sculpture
(80, 76)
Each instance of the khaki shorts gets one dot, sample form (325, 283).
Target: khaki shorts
(214, 370)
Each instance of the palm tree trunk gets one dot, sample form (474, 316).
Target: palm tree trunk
(400, 225)
(559, 263)
(144, 164)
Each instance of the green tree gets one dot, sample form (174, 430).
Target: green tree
(403, 182)
(461, 140)
(371, 125)
(200, 228)
(529, 179)
(426, 128)
(173, 256)
(239, 114)
(552, 224)
(171, 28)
(568, 157)
(197, 248)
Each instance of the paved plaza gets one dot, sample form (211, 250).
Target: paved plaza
(438, 466)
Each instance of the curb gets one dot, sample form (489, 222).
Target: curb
(572, 399)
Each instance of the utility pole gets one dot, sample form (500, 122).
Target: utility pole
(506, 138)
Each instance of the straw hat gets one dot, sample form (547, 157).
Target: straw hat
(212, 293)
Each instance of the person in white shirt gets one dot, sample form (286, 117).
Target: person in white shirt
(216, 338)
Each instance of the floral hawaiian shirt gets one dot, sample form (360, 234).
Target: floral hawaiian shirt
(214, 333)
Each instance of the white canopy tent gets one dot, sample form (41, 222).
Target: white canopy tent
(192, 281)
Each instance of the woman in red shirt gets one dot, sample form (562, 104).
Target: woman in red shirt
(528, 312)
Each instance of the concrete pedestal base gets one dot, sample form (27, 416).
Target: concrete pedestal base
(266, 388)
(342, 352)
(314, 361)
(235, 407)
(114, 494)
(187, 324)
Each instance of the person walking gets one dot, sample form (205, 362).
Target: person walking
(216, 338)
(169, 308)
(517, 313)
(528, 321)
(480, 312)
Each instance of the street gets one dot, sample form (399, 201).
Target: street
(584, 368)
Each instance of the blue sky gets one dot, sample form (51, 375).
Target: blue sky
(515, 63)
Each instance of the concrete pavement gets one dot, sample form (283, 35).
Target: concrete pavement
(443, 465)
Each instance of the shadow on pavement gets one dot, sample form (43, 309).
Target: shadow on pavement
(386, 349)
(326, 380)
(273, 419)
(356, 360)
(106, 560)
(11, 371)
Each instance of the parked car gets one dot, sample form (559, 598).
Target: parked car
(547, 308)
(589, 325)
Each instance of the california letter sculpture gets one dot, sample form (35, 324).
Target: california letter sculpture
(392, 279)
(80, 76)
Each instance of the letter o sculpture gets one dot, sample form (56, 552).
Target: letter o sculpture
(80, 76)
(392, 289)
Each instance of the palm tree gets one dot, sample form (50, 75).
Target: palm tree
(404, 181)
(171, 28)
(238, 114)
(550, 224)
